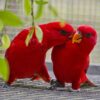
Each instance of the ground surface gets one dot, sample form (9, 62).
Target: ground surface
(38, 90)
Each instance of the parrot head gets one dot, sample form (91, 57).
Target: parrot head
(86, 37)
(59, 32)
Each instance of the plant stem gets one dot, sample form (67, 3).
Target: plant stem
(32, 12)
(5, 5)
(4, 29)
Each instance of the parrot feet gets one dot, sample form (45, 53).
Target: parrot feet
(55, 84)
(6, 86)
(52, 82)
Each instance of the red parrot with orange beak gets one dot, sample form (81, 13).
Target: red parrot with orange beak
(29, 61)
(71, 60)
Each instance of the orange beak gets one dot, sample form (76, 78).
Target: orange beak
(71, 36)
(77, 38)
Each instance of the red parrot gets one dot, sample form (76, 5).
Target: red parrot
(29, 61)
(71, 60)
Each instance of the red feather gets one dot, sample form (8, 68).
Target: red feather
(29, 61)
(71, 61)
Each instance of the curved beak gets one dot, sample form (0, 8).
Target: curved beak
(71, 36)
(77, 38)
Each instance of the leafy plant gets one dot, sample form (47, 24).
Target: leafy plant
(53, 10)
(40, 8)
(29, 10)
(27, 7)
(29, 36)
(1, 25)
(9, 18)
(5, 41)
(39, 33)
(4, 69)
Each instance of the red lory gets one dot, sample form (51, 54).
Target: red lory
(29, 61)
(71, 60)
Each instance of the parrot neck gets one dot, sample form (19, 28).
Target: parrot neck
(86, 48)
(46, 38)
(50, 39)
(50, 42)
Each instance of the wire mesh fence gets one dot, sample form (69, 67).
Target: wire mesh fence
(75, 12)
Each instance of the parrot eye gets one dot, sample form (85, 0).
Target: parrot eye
(88, 35)
(63, 32)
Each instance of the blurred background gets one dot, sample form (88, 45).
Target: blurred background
(75, 12)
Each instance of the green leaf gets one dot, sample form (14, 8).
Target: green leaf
(4, 69)
(41, 2)
(39, 12)
(5, 41)
(1, 25)
(53, 10)
(29, 36)
(39, 33)
(40, 8)
(9, 18)
(27, 7)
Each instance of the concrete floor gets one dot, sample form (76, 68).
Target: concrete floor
(38, 90)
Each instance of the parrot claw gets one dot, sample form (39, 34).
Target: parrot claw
(55, 84)
(52, 88)
(5, 86)
(52, 82)
(73, 90)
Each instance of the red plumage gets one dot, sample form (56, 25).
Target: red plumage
(29, 61)
(71, 61)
